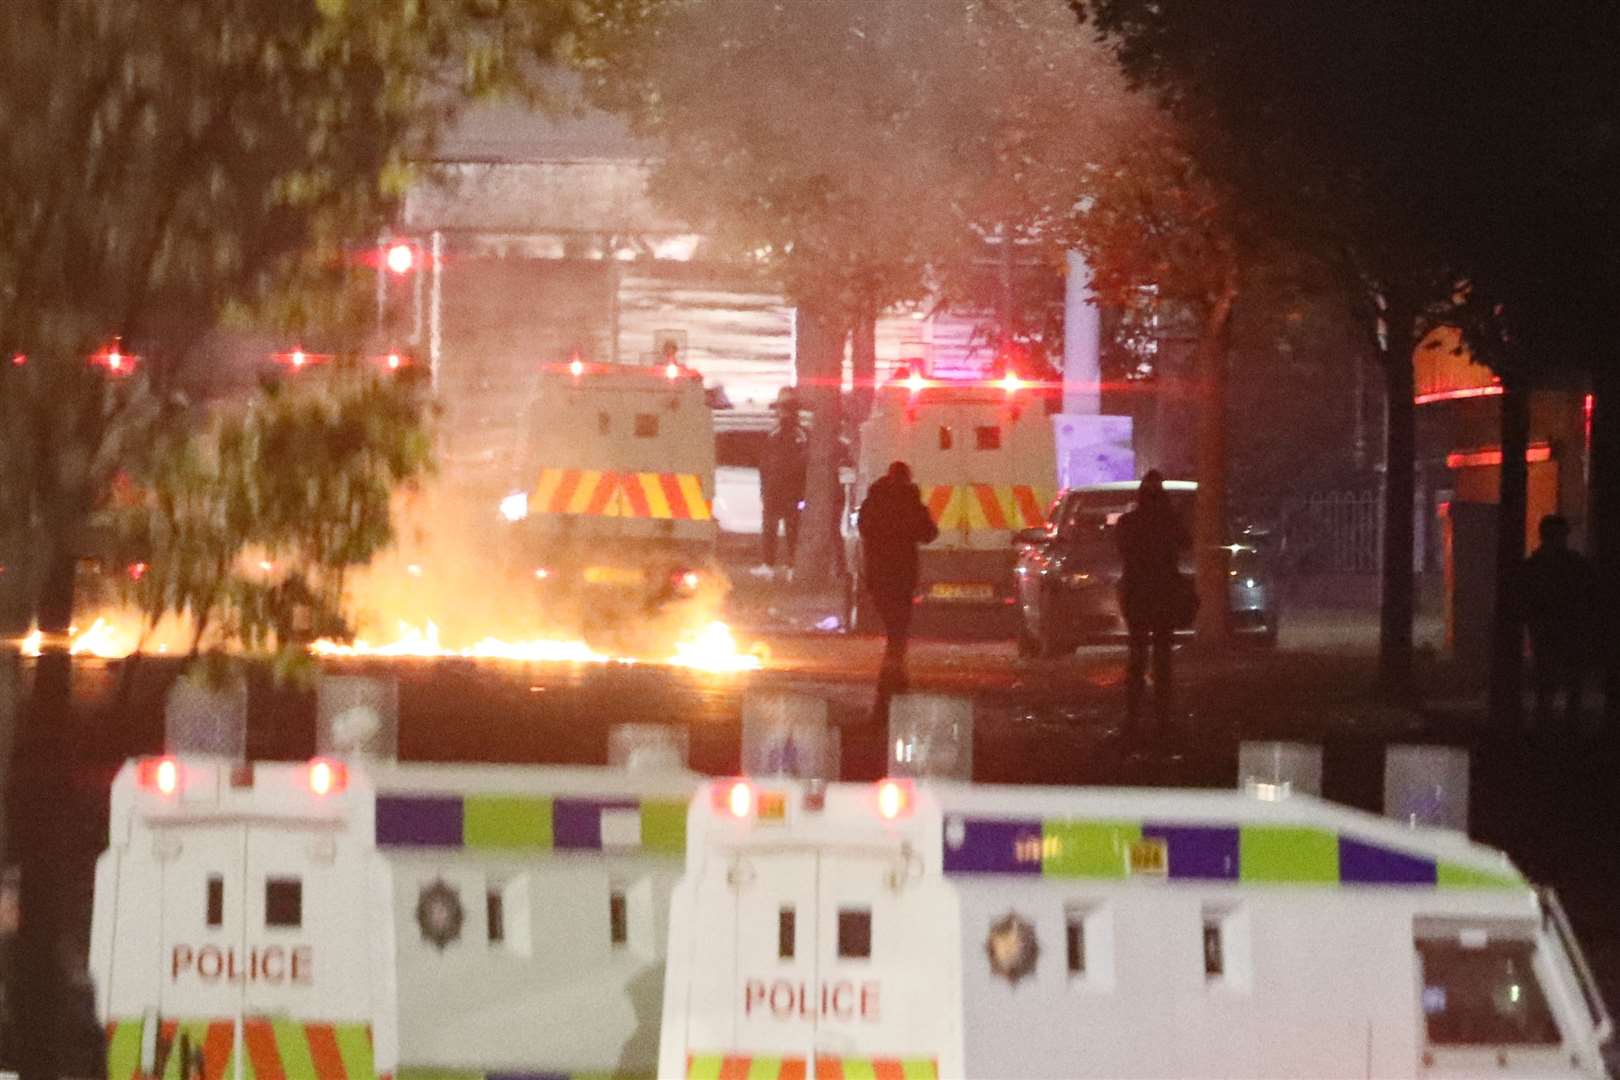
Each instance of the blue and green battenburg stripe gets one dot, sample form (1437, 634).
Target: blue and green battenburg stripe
(1103, 850)
(526, 823)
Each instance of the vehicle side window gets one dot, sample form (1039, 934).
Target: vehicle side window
(987, 437)
(618, 917)
(646, 425)
(495, 915)
(945, 439)
(604, 423)
(1486, 995)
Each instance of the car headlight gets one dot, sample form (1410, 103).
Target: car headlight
(515, 507)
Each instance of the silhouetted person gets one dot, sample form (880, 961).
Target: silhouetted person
(1151, 538)
(893, 522)
(782, 465)
(1558, 587)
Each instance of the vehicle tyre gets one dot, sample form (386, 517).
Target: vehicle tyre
(1038, 641)
(1268, 639)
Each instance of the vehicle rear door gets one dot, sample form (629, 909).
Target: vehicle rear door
(202, 919)
(776, 953)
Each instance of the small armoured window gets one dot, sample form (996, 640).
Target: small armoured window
(1075, 939)
(646, 425)
(1214, 952)
(216, 900)
(785, 933)
(987, 437)
(604, 424)
(495, 913)
(1480, 990)
(945, 439)
(854, 933)
(618, 918)
(284, 902)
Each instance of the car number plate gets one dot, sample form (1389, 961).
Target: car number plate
(961, 590)
(611, 575)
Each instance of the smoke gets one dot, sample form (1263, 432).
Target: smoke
(475, 577)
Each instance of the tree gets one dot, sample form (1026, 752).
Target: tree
(249, 527)
(1358, 132)
(847, 149)
(1158, 232)
(1303, 113)
(167, 160)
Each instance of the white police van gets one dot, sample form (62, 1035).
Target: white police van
(309, 921)
(946, 930)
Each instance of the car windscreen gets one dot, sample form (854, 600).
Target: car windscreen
(1090, 516)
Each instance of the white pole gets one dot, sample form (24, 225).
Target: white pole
(436, 298)
(1082, 341)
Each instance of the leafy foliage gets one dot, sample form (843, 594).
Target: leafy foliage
(249, 528)
(859, 153)
(170, 161)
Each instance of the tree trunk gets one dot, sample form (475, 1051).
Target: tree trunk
(1397, 599)
(1209, 519)
(863, 361)
(820, 344)
(1604, 536)
(1507, 636)
(41, 816)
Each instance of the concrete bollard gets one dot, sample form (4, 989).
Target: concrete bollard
(931, 735)
(786, 734)
(1276, 770)
(1427, 786)
(647, 748)
(206, 720)
(357, 716)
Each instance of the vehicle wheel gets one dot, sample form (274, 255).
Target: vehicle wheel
(1268, 640)
(1037, 642)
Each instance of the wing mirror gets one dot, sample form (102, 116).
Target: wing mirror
(1032, 536)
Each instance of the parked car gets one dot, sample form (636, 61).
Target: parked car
(1068, 572)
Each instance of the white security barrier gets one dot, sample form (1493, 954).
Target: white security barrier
(647, 747)
(357, 716)
(786, 734)
(1427, 786)
(206, 720)
(931, 735)
(1275, 770)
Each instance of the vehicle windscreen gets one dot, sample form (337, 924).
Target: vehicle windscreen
(1089, 516)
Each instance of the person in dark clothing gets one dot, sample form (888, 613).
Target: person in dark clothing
(1557, 585)
(782, 466)
(893, 521)
(1151, 538)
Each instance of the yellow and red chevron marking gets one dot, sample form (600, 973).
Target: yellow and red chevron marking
(745, 1067)
(273, 1049)
(606, 493)
(986, 506)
